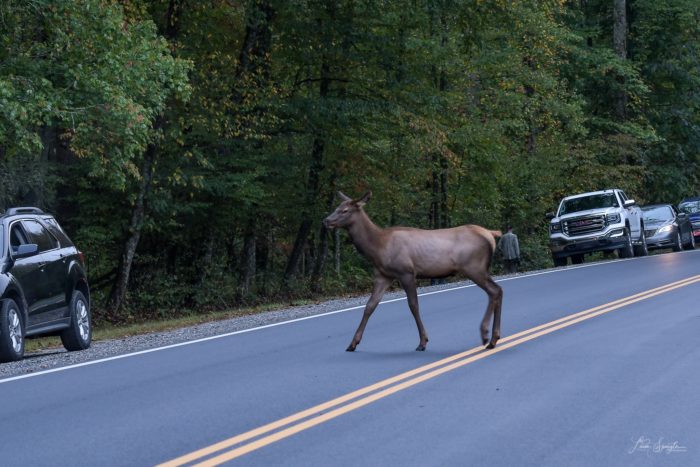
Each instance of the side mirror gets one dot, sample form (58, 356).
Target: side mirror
(682, 215)
(26, 250)
(630, 202)
(549, 216)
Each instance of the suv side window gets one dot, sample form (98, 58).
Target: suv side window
(44, 240)
(57, 231)
(17, 236)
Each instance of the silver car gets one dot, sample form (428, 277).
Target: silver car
(665, 227)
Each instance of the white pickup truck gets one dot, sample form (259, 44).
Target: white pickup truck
(596, 221)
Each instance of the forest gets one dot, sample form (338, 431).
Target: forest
(192, 148)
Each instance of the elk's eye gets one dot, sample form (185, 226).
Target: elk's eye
(345, 210)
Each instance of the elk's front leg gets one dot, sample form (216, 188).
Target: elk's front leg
(381, 283)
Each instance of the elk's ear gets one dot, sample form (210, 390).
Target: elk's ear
(343, 196)
(362, 201)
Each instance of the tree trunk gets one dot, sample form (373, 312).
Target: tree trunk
(312, 189)
(207, 259)
(444, 213)
(337, 251)
(248, 267)
(434, 218)
(620, 47)
(138, 213)
(322, 252)
(257, 41)
(620, 28)
(252, 61)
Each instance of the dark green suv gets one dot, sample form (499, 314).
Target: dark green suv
(43, 284)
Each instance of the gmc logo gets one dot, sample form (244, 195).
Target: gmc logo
(581, 223)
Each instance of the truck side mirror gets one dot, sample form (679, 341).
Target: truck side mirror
(549, 216)
(630, 202)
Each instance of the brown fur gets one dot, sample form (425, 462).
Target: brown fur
(405, 254)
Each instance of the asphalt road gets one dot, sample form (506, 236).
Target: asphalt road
(598, 365)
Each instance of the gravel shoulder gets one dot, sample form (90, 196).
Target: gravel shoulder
(58, 357)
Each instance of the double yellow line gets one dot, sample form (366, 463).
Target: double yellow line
(257, 438)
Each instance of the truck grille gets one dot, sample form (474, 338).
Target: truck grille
(584, 225)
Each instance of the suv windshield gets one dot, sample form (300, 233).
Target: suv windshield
(584, 203)
(690, 207)
(657, 214)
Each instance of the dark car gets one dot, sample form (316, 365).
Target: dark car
(691, 206)
(43, 284)
(665, 227)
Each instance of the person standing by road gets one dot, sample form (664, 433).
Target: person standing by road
(510, 250)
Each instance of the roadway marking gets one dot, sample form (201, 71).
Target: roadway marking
(320, 315)
(321, 413)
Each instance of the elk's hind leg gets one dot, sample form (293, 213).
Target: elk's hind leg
(495, 294)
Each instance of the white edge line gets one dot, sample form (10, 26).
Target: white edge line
(296, 320)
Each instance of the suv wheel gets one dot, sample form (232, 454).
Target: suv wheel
(627, 251)
(78, 335)
(559, 261)
(641, 249)
(678, 244)
(691, 244)
(11, 332)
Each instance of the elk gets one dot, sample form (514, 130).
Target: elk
(407, 254)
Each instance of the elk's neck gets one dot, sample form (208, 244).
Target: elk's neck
(365, 235)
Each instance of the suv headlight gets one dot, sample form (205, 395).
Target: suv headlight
(612, 218)
(665, 228)
(555, 227)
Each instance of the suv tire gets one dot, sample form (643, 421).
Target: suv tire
(691, 244)
(678, 244)
(11, 332)
(642, 249)
(78, 335)
(559, 261)
(627, 251)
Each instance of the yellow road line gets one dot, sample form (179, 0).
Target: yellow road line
(458, 360)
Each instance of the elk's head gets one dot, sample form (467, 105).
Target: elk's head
(346, 211)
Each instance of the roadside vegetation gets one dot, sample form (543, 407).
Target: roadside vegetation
(191, 149)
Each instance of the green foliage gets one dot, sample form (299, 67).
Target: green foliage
(82, 68)
(450, 111)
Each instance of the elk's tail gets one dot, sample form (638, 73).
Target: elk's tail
(496, 233)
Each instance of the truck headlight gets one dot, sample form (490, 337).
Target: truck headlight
(555, 227)
(665, 228)
(612, 218)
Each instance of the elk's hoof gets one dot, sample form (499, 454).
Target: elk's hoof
(491, 345)
(484, 340)
(420, 348)
(351, 348)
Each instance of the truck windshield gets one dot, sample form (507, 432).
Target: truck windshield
(690, 207)
(584, 203)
